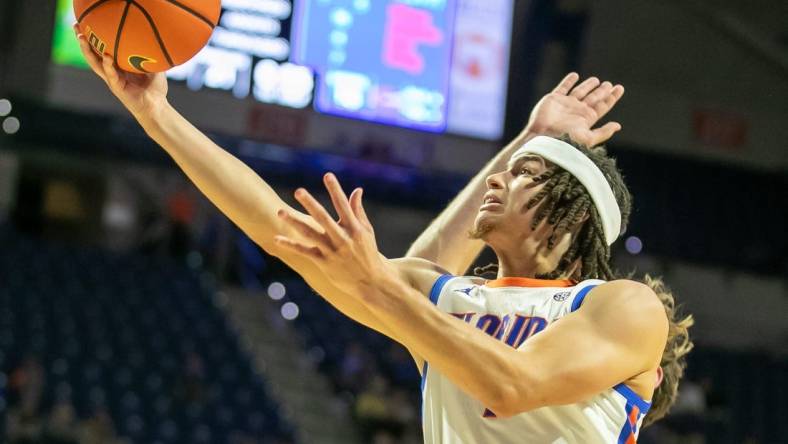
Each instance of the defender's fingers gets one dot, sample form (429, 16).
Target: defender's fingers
(605, 132)
(338, 198)
(565, 85)
(313, 253)
(304, 228)
(584, 88)
(604, 106)
(358, 207)
(319, 213)
(599, 93)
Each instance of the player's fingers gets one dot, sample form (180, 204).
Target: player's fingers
(319, 213)
(113, 78)
(355, 202)
(299, 248)
(584, 88)
(339, 199)
(358, 207)
(605, 132)
(304, 228)
(599, 93)
(604, 106)
(94, 61)
(565, 85)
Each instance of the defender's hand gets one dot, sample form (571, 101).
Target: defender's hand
(345, 250)
(574, 110)
(142, 94)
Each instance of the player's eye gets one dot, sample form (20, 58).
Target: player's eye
(525, 171)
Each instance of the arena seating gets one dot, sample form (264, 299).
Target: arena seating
(138, 337)
(330, 331)
(745, 395)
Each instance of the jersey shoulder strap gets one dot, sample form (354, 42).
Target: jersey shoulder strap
(581, 290)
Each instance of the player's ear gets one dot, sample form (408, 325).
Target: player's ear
(660, 377)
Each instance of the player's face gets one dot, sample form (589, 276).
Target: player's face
(504, 215)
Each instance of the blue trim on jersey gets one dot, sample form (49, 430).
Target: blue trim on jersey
(626, 430)
(580, 296)
(632, 397)
(423, 384)
(437, 287)
(435, 293)
(424, 368)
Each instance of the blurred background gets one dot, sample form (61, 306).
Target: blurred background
(131, 311)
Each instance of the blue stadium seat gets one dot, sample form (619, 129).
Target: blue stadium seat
(115, 332)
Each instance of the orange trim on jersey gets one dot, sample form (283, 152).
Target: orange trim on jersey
(529, 282)
(633, 416)
(633, 423)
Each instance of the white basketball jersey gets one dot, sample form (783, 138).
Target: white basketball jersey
(511, 310)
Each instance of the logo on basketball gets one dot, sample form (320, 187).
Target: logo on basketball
(95, 42)
(561, 296)
(138, 61)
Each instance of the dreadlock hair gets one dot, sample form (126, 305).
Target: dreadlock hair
(564, 202)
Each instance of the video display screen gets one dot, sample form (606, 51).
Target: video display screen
(65, 48)
(383, 61)
(429, 65)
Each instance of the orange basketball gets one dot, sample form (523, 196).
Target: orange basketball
(147, 35)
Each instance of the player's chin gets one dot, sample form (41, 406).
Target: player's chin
(484, 224)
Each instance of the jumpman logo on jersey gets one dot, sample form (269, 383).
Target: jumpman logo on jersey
(467, 291)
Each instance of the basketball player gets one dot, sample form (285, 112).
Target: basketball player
(550, 216)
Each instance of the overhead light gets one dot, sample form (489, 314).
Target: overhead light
(290, 311)
(11, 125)
(633, 245)
(5, 107)
(276, 291)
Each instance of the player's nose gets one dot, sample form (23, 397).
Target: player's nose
(495, 181)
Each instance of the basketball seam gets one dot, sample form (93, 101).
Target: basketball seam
(90, 9)
(192, 12)
(120, 30)
(155, 32)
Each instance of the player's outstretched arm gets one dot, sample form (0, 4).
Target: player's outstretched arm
(231, 185)
(227, 182)
(568, 109)
(618, 333)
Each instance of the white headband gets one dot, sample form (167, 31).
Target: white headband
(576, 163)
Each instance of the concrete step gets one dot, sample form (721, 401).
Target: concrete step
(305, 395)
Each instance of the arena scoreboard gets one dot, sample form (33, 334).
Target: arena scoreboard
(430, 65)
(387, 61)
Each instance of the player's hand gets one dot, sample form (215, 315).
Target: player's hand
(574, 110)
(141, 94)
(345, 250)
